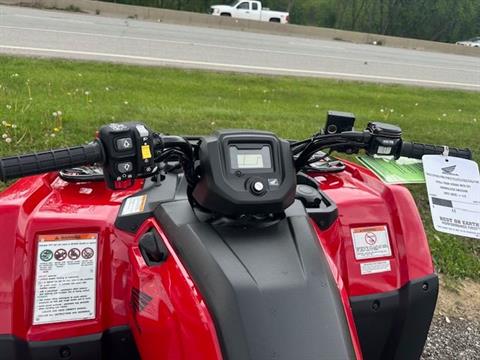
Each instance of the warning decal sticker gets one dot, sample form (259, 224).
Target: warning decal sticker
(371, 242)
(65, 278)
(134, 205)
(375, 267)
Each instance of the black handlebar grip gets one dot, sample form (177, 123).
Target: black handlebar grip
(37, 163)
(416, 150)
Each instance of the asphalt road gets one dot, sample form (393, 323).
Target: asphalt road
(60, 34)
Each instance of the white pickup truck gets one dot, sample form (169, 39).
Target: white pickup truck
(251, 10)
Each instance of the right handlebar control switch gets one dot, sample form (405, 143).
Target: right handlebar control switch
(386, 138)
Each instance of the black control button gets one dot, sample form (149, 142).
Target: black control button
(125, 167)
(124, 144)
(309, 196)
(306, 190)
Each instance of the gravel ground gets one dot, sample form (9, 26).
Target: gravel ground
(453, 338)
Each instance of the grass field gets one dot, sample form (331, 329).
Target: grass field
(45, 103)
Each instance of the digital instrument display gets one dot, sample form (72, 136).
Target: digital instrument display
(250, 158)
(249, 161)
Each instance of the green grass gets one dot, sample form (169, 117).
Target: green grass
(197, 102)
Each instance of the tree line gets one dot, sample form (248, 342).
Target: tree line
(437, 20)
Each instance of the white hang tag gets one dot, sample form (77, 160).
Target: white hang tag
(453, 186)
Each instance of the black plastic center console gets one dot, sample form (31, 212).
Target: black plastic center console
(245, 172)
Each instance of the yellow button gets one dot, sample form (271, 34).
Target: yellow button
(146, 154)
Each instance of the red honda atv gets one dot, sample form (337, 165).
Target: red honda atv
(238, 245)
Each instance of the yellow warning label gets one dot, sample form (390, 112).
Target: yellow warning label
(146, 154)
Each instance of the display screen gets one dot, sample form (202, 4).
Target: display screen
(249, 161)
(250, 158)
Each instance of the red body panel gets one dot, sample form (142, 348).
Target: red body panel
(323, 238)
(47, 204)
(179, 324)
(362, 201)
(177, 320)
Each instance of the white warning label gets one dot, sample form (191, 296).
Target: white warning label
(65, 279)
(375, 267)
(453, 186)
(134, 205)
(371, 242)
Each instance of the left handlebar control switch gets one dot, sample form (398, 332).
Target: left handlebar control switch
(129, 149)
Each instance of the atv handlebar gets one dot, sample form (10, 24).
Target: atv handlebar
(416, 150)
(378, 139)
(42, 162)
(130, 150)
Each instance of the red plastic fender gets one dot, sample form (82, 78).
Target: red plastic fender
(169, 318)
(363, 200)
(322, 236)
